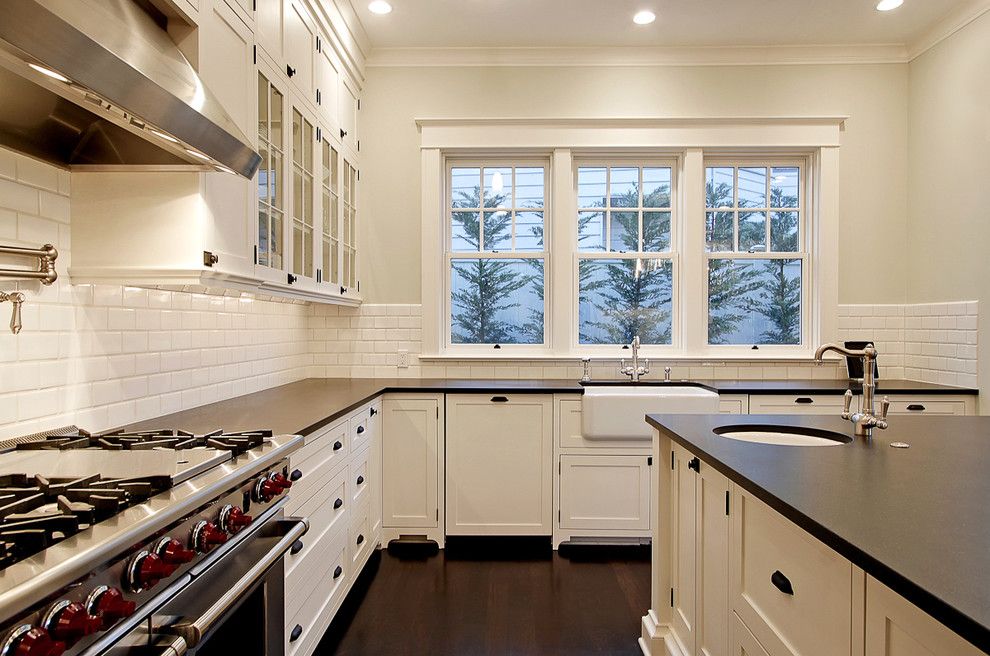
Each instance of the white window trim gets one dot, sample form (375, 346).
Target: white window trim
(695, 139)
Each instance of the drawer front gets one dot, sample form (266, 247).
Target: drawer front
(792, 591)
(327, 514)
(605, 492)
(569, 430)
(733, 404)
(360, 429)
(795, 404)
(360, 478)
(360, 539)
(928, 405)
(306, 615)
(742, 640)
(317, 459)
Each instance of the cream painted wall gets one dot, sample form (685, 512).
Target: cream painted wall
(949, 145)
(873, 154)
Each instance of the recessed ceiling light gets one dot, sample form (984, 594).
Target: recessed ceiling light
(644, 17)
(380, 7)
(887, 5)
(50, 73)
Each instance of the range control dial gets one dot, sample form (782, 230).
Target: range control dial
(69, 622)
(172, 552)
(109, 604)
(232, 519)
(205, 536)
(265, 489)
(144, 571)
(27, 640)
(280, 480)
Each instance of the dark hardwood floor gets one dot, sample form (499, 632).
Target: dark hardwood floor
(504, 597)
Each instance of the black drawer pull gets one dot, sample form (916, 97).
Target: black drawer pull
(337, 572)
(360, 429)
(781, 582)
(804, 399)
(296, 632)
(337, 446)
(360, 479)
(338, 503)
(295, 475)
(360, 538)
(694, 464)
(297, 546)
(916, 407)
(373, 412)
(500, 399)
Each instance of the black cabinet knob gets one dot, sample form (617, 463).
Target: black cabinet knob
(360, 429)
(338, 445)
(343, 290)
(360, 538)
(289, 70)
(338, 503)
(373, 412)
(295, 475)
(297, 546)
(694, 464)
(360, 479)
(291, 278)
(782, 583)
(338, 571)
(296, 632)
(343, 133)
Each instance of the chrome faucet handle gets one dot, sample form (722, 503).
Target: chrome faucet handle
(884, 408)
(646, 366)
(847, 399)
(666, 374)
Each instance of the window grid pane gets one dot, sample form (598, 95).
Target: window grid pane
(497, 209)
(622, 196)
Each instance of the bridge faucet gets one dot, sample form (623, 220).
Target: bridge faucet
(866, 419)
(636, 370)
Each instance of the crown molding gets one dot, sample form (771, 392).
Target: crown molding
(948, 25)
(640, 56)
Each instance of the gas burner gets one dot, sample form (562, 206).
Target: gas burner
(121, 440)
(36, 512)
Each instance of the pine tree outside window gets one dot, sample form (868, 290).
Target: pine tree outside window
(496, 253)
(756, 252)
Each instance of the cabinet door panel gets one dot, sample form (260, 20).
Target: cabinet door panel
(713, 562)
(795, 404)
(300, 48)
(268, 27)
(327, 83)
(605, 492)
(743, 642)
(499, 464)
(410, 439)
(347, 113)
(684, 563)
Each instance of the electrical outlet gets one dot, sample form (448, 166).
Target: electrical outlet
(403, 359)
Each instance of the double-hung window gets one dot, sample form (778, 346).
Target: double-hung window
(496, 252)
(756, 243)
(625, 262)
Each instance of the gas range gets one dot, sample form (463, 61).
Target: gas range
(97, 530)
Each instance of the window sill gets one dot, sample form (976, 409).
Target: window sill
(800, 358)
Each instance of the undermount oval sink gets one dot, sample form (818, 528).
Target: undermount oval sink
(783, 435)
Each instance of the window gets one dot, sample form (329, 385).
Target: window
(271, 206)
(757, 262)
(625, 263)
(496, 253)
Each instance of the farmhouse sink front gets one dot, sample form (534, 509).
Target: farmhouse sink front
(618, 412)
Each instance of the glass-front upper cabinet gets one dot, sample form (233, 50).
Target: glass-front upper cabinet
(303, 137)
(271, 195)
(330, 273)
(349, 219)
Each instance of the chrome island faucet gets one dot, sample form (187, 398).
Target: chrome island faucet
(636, 370)
(866, 419)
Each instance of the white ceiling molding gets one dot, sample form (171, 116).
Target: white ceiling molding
(640, 56)
(947, 26)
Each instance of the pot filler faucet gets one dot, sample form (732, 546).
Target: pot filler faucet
(866, 419)
(636, 370)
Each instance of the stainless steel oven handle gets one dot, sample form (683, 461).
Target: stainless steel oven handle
(192, 631)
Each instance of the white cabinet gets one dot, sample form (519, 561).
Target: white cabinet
(347, 113)
(268, 26)
(733, 404)
(300, 49)
(896, 627)
(605, 492)
(931, 404)
(795, 404)
(327, 87)
(411, 463)
(499, 464)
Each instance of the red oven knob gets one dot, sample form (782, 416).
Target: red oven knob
(70, 621)
(109, 604)
(280, 480)
(27, 640)
(265, 490)
(144, 571)
(173, 553)
(206, 535)
(232, 519)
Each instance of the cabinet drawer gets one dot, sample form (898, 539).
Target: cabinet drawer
(792, 591)
(928, 405)
(569, 430)
(309, 567)
(318, 467)
(733, 404)
(743, 642)
(360, 429)
(605, 492)
(327, 512)
(360, 478)
(795, 404)
(307, 615)
(360, 540)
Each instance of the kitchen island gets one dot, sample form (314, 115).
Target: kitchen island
(858, 548)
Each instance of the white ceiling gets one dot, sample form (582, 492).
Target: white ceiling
(572, 23)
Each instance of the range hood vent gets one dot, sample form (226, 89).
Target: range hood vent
(98, 85)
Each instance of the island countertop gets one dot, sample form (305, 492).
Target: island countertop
(916, 519)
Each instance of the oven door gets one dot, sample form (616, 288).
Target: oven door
(234, 603)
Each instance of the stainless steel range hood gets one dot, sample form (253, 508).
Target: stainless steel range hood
(97, 84)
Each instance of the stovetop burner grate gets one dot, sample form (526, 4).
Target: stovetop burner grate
(120, 440)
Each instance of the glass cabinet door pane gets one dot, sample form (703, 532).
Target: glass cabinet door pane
(269, 174)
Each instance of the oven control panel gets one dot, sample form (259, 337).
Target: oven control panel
(71, 620)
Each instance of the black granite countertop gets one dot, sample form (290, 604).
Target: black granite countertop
(308, 405)
(916, 519)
